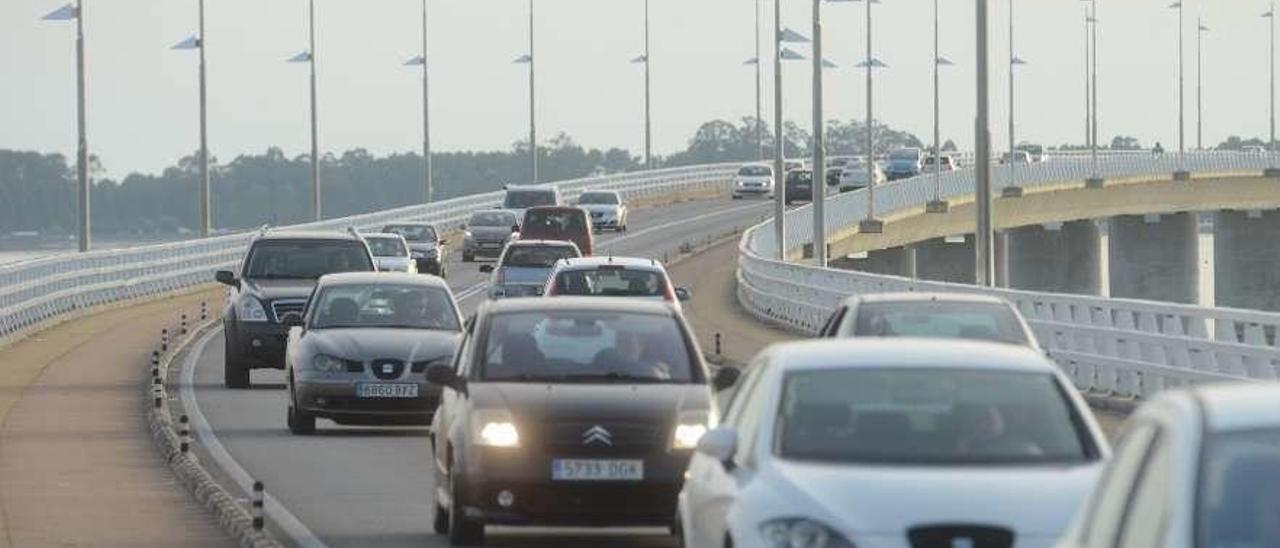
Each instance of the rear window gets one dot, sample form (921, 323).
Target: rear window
(948, 320)
(755, 171)
(905, 155)
(413, 233)
(599, 198)
(554, 223)
(800, 177)
(524, 199)
(305, 259)
(611, 282)
(492, 218)
(1239, 497)
(387, 247)
(537, 256)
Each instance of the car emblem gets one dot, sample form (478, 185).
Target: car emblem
(597, 434)
(388, 369)
(962, 542)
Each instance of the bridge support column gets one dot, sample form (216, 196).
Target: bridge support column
(1155, 257)
(946, 259)
(1058, 257)
(1247, 265)
(895, 261)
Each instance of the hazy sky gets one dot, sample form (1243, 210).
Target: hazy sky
(142, 96)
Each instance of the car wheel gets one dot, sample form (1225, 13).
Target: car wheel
(234, 372)
(301, 423)
(441, 523)
(736, 197)
(462, 531)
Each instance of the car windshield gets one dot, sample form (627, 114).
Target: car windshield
(755, 171)
(586, 346)
(554, 222)
(492, 218)
(387, 247)
(384, 305)
(1239, 496)
(598, 198)
(606, 281)
(537, 256)
(800, 177)
(305, 259)
(524, 199)
(934, 319)
(905, 416)
(412, 233)
(904, 156)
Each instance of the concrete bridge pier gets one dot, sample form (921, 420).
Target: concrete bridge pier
(947, 259)
(1155, 257)
(895, 261)
(1058, 257)
(1247, 259)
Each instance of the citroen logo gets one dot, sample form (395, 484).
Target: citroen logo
(597, 434)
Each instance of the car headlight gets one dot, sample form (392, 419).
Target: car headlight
(466, 235)
(249, 309)
(801, 533)
(690, 428)
(739, 182)
(327, 364)
(496, 429)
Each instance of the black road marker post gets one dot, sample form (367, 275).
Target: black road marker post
(258, 520)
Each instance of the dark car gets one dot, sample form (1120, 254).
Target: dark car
(799, 185)
(425, 246)
(359, 354)
(569, 412)
(558, 223)
(275, 280)
(486, 233)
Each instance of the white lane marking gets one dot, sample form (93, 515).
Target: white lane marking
(285, 520)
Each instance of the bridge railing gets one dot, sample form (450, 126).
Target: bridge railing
(34, 293)
(1119, 347)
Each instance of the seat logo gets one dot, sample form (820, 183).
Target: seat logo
(597, 434)
(962, 542)
(388, 368)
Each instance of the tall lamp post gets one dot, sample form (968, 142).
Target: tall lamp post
(533, 103)
(1270, 15)
(983, 238)
(197, 43)
(1181, 174)
(1200, 30)
(644, 59)
(937, 205)
(428, 191)
(755, 4)
(309, 57)
(1012, 190)
(818, 185)
(66, 13)
(780, 36)
(869, 225)
(1094, 181)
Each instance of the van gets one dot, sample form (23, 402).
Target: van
(520, 199)
(558, 223)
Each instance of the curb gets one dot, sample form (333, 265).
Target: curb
(234, 519)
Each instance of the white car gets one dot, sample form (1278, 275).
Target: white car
(391, 253)
(930, 315)
(753, 180)
(893, 444)
(605, 276)
(1197, 468)
(606, 208)
(854, 176)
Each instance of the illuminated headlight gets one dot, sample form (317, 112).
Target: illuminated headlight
(739, 182)
(250, 309)
(689, 429)
(496, 429)
(327, 364)
(801, 533)
(467, 235)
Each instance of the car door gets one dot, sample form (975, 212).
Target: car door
(712, 486)
(451, 403)
(1111, 497)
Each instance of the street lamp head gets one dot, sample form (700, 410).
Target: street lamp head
(874, 63)
(1177, 5)
(752, 61)
(828, 64)
(191, 42)
(1267, 15)
(943, 62)
(416, 61)
(640, 60)
(1017, 61)
(523, 59)
(1204, 28)
(788, 54)
(67, 12)
(792, 37)
(301, 57)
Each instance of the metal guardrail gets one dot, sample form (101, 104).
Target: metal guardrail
(1118, 347)
(33, 293)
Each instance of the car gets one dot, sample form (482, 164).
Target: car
(486, 232)
(390, 253)
(1035, 152)
(904, 163)
(799, 185)
(630, 277)
(559, 223)
(607, 210)
(359, 354)
(835, 166)
(753, 180)
(518, 199)
(789, 165)
(275, 280)
(428, 251)
(1194, 467)
(947, 163)
(854, 176)
(930, 315)
(1019, 157)
(523, 267)
(568, 412)
(1253, 149)
(879, 442)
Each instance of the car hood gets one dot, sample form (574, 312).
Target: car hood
(753, 179)
(364, 344)
(490, 232)
(870, 500)
(422, 246)
(599, 208)
(271, 290)
(537, 403)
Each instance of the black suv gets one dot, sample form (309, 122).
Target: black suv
(276, 279)
(799, 185)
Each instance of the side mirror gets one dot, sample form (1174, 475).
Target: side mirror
(292, 319)
(724, 378)
(226, 277)
(684, 293)
(443, 242)
(442, 374)
(486, 268)
(720, 443)
(515, 228)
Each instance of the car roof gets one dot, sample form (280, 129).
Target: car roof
(531, 189)
(603, 260)
(308, 235)
(600, 192)
(1239, 406)
(905, 352)
(923, 297)
(585, 304)
(383, 235)
(565, 208)
(429, 225)
(398, 278)
(541, 243)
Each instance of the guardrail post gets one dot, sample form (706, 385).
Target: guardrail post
(717, 344)
(184, 323)
(258, 494)
(184, 434)
(157, 391)
(164, 340)
(155, 363)
(204, 311)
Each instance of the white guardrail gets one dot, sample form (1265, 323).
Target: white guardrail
(34, 293)
(1117, 347)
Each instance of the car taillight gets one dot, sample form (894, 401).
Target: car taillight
(667, 294)
(551, 289)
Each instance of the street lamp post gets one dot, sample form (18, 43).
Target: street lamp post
(983, 238)
(644, 59)
(937, 205)
(780, 37)
(1270, 15)
(1012, 190)
(1095, 181)
(818, 185)
(1200, 30)
(428, 190)
(871, 225)
(533, 120)
(316, 211)
(67, 13)
(1181, 174)
(197, 42)
(759, 122)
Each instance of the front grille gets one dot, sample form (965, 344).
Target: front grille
(354, 366)
(621, 435)
(282, 307)
(960, 535)
(596, 214)
(424, 404)
(387, 369)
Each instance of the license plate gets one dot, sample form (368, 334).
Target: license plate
(378, 390)
(597, 470)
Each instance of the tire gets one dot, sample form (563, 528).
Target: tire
(301, 423)
(235, 374)
(737, 197)
(441, 523)
(462, 531)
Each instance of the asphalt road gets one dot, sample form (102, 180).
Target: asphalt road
(373, 486)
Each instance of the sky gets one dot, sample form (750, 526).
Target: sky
(142, 96)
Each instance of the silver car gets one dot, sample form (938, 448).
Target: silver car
(359, 354)
(390, 253)
(486, 233)
(930, 315)
(606, 208)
